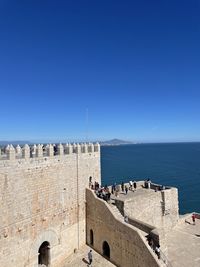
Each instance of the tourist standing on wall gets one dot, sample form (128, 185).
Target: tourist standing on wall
(193, 218)
(149, 183)
(150, 242)
(112, 189)
(117, 189)
(126, 189)
(131, 185)
(135, 185)
(90, 182)
(157, 251)
(122, 186)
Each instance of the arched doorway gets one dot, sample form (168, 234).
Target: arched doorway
(106, 249)
(91, 238)
(44, 254)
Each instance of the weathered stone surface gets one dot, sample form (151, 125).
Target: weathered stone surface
(80, 259)
(43, 199)
(159, 209)
(127, 247)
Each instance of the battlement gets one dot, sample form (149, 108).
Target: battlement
(50, 150)
(42, 189)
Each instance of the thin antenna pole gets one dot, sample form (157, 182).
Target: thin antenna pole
(87, 125)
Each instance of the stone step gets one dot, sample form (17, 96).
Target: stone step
(116, 212)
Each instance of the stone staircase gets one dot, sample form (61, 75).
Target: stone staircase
(116, 212)
(163, 260)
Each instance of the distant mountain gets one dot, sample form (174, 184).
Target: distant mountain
(115, 142)
(14, 142)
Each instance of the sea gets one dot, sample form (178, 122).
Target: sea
(171, 164)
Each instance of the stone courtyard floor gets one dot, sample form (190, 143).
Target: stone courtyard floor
(183, 243)
(79, 259)
(140, 192)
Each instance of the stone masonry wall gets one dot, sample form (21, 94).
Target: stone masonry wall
(127, 248)
(43, 199)
(159, 209)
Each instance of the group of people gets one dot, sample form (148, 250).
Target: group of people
(104, 192)
(132, 186)
(115, 189)
(147, 183)
(101, 192)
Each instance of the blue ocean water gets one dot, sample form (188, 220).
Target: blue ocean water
(175, 164)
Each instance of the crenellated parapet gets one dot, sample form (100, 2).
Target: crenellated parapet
(50, 150)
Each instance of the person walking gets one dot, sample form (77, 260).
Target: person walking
(90, 257)
(122, 186)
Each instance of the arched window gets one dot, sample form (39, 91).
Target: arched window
(44, 254)
(106, 249)
(91, 238)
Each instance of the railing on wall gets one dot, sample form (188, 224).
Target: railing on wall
(197, 215)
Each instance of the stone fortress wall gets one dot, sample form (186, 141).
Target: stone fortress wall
(47, 211)
(42, 201)
(159, 209)
(154, 210)
(108, 233)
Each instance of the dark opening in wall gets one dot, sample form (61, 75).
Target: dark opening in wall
(44, 254)
(106, 249)
(91, 238)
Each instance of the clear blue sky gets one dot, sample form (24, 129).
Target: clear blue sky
(135, 65)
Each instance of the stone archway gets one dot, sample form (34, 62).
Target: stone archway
(49, 236)
(44, 254)
(106, 249)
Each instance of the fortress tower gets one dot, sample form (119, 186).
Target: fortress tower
(42, 202)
